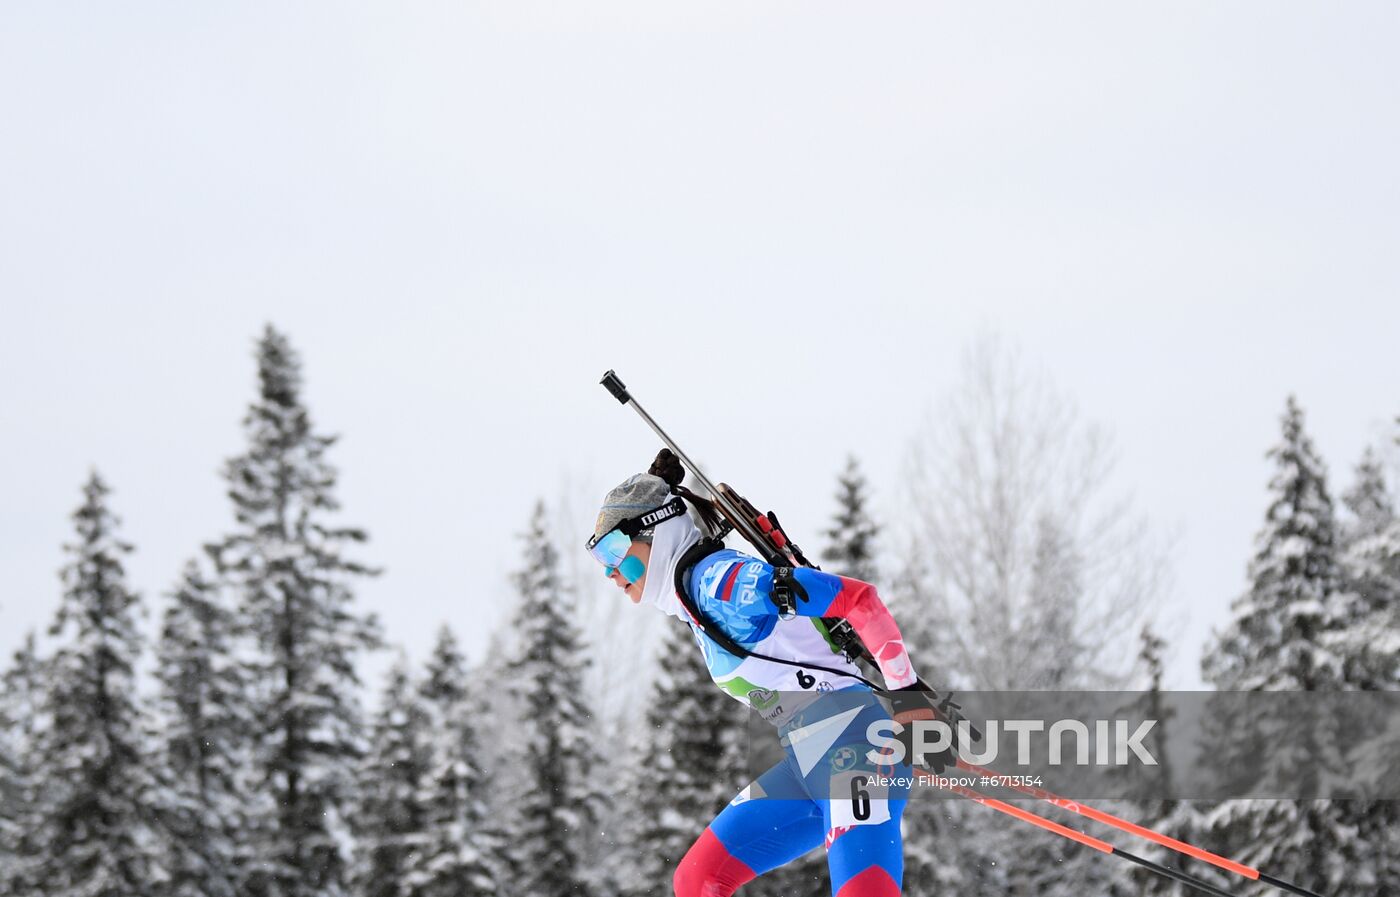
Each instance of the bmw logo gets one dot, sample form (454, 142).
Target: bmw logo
(843, 759)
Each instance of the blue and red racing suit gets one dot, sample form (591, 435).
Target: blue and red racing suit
(825, 791)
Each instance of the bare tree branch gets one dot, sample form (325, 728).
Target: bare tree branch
(1028, 570)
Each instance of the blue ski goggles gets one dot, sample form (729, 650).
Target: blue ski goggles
(611, 547)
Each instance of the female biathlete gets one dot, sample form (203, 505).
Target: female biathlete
(825, 790)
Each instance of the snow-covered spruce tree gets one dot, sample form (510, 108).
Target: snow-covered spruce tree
(20, 713)
(553, 820)
(1371, 655)
(1149, 787)
(444, 684)
(200, 707)
(460, 849)
(287, 563)
(12, 779)
(92, 828)
(851, 539)
(390, 819)
(1368, 500)
(1274, 638)
(496, 720)
(693, 760)
(1370, 559)
(1279, 640)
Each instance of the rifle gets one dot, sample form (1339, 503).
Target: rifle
(762, 531)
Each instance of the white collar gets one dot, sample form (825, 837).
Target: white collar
(669, 541)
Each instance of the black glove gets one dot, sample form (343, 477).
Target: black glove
(916, 702)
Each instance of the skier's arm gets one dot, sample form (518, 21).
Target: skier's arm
(858, 603)
(748, 588)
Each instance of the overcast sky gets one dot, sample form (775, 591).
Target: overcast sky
(779, 222)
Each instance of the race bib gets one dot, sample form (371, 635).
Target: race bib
(858, 798)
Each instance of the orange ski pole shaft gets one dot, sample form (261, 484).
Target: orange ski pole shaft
(1087, 840)
(1133, 828)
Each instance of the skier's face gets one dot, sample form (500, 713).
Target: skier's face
(642, 552)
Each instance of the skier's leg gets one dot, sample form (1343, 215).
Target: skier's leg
(867, 860)
(862, 803)
(750, 836)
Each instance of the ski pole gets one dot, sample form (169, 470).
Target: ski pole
(1088, 841)
(1133, 828)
